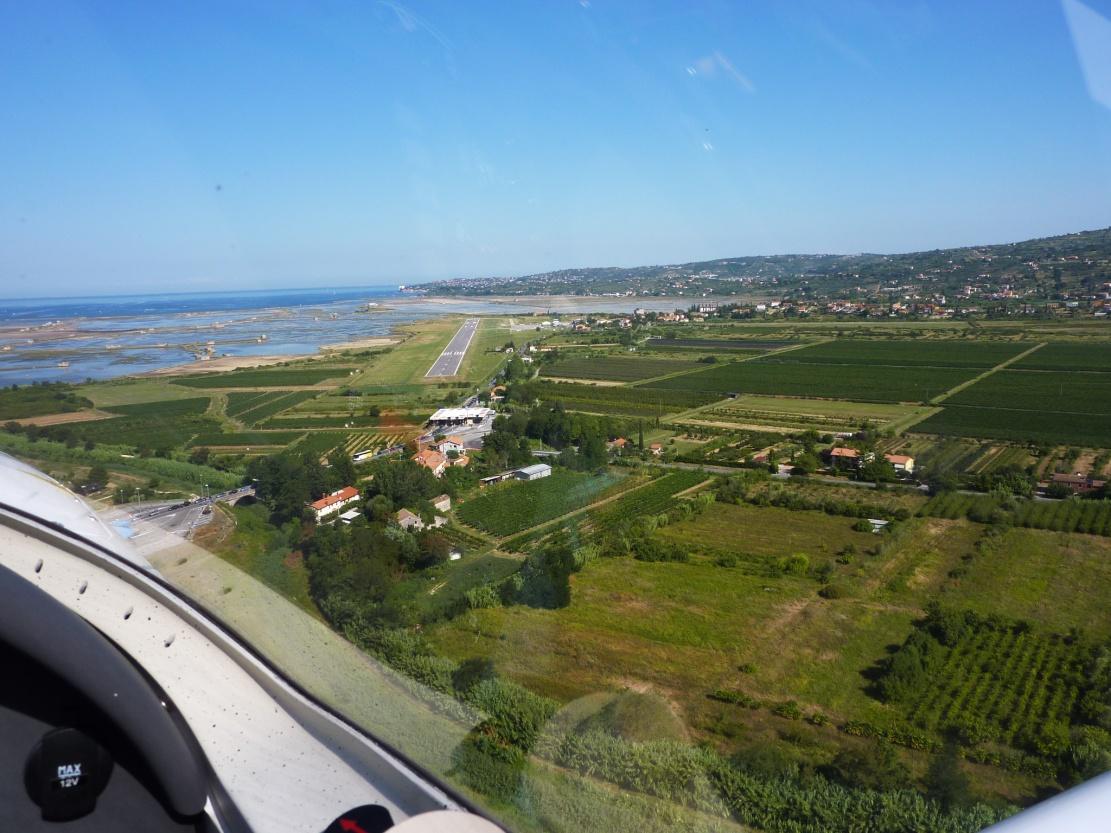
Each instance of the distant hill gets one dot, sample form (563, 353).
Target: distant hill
(1050, 266)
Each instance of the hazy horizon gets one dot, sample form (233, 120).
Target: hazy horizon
(193, 148)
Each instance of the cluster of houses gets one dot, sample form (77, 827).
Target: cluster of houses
(442, 455)
(329, 508)
(621, 445)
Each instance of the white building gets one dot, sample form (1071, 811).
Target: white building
(330, 504)
(460, 416)
(409, 520)
(533, 472)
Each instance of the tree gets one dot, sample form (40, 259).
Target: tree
(806, 462)
(199, 455)
(404, 482)
(875, 767)
(434, 549)
(945, 781)
(640, 434)
(341, 470)
(97, 474)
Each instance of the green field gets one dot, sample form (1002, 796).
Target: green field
(904, 353)
(254, 412)
(625, 401)
(510, 507)
(863, 383)
(615, 368)
(439, 592)
(270, 378)
(39, 400)
(684, 629)
(132, 391)
(154, 425)
(794, 412)
(999, 681)
(757, 533)
(1069, 356)
(247, 438)
(1026, 405)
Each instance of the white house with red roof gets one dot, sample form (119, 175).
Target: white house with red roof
(333, 503)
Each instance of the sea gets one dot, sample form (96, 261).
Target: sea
(81, 338)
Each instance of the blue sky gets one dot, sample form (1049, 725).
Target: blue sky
(244, 145)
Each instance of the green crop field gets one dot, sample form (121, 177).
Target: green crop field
(864, 383)
(692, 628)
(513, 506)
(1091, 517)
(271, 378)
(622, 400)
(164, 411)
(1028, 390)
(153, 425)
(1027, 405)
(768, 531)
(652, 499)
(1003, 682)
(247, 438)
(132, 391)
(1069, 356)
(794, 412)
(262, 410)
(39, 400)
(615, 368)
(358, 441)
(904, 353)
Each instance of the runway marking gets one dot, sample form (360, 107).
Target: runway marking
(449, 361)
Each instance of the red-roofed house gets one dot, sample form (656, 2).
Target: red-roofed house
(901, 462)
(432, 460)
(330, 504)
(656, 448)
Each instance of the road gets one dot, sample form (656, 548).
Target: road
(449, 361)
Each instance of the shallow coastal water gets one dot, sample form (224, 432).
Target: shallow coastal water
(74, 339)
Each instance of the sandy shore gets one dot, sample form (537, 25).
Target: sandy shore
(218, 365)
(361, 343)
(222, 363)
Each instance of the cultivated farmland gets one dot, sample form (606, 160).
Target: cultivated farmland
(271, 378)
(615, 368)
(1069, 357)
(247, 438)
(904, 353)
(154, 425)
(864, 383)
(1026, 405)
(647, 500)
(623, 400)
(511, 507)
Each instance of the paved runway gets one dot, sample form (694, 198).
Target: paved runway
(452, 357)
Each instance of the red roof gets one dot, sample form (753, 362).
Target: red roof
(346, 493)
(898, 458)
(843, 452)
(429, 458)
